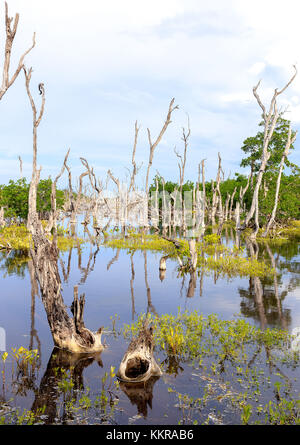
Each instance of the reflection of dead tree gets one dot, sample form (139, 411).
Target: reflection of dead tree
(140, 394)
(90, 264)
(114, 259)
(67, 333)
(7, 81)
(131, 285)
(192, 268)
(278, 300)
(34, 293)
(48, 395)
(65, 272)
(258, 289)
(150, 307)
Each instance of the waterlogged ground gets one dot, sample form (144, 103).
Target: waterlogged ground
(213, 372)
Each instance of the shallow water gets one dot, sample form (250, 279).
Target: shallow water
(126, 285)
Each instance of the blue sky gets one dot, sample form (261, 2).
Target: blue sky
(107, 64)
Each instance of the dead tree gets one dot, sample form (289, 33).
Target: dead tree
(118, 184)
(134, 166)
(181, 166)
(240, 202)
(231, 203)
(74, 203)
(2, 220)
(289, 142)
(68, 333)
(52, 223)
(11, 26)
(21, 167)
(270, 118)
(154, 144)
(97, 186)
(138, 363)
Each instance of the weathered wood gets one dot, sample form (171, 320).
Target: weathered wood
(289, 142)
(270, 118)
(11, 31)
(153, 145)
(138, 363)
(68, 333)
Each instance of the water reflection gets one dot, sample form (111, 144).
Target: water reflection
(140, 394)
(61, 364)
(263, 301)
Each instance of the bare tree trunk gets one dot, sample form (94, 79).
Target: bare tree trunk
(226, 207)
(2, 220)
(181, 166)
(134, 167)
(289, 142)
(21, 167)
(270, 119)
(153, 145)
(231, 203)
(67, 333)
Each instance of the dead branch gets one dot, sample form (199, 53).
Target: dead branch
(11, 26)
(270, 119)
(153, 145)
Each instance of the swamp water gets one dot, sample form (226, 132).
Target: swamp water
(121, 285)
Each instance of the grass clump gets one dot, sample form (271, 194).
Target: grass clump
(212, 254)
(19, 238)
(245, 374)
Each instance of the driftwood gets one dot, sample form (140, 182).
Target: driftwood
(138, 363)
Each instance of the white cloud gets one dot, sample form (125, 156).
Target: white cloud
(106, 64)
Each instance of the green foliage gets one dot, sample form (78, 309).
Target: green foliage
(253, 147)
(169, 185)
(19, 238)
(289, 198)
(14, 198)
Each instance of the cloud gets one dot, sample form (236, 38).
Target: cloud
(106, 64)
